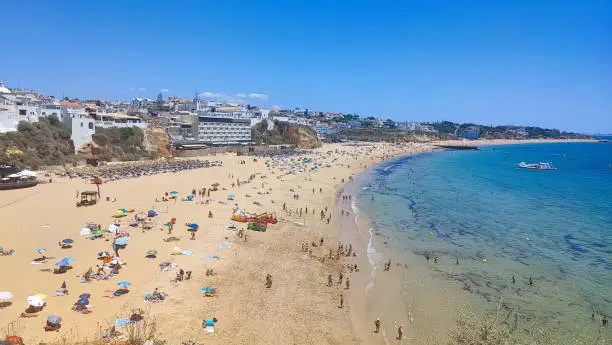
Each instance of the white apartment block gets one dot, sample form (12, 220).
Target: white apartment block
(224, 130)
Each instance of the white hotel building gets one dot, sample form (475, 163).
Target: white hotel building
(224, 130)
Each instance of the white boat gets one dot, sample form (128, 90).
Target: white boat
(537, 166)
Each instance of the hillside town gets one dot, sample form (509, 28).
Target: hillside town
(195, 120)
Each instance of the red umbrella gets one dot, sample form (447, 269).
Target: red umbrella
(13, 339)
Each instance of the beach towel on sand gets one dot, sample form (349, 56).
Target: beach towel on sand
(121, 322)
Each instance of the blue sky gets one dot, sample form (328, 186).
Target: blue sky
(544, 63)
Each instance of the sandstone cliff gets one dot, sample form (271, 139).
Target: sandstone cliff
(279, 133)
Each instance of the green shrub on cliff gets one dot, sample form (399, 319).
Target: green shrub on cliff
(46, 142)
(123, 144)
(285, 133)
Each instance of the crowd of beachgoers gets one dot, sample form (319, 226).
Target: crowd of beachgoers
(115, 172)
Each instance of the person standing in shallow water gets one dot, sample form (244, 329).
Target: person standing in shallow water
(377, 326)
(530, 281)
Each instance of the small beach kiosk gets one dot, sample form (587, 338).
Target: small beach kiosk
(88, 198)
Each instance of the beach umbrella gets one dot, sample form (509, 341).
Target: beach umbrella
(54, 319)
(119, 213)
(136, 317)
(40, 250)
(85, 296)
(113, 228)
(103, 254)
(124, 284)
(85, 231)
(174, 192)
(193, 226)
(83, 301)
(124, 210)
(231, 196)
(121, 241)
(173, 220)
(13, 339)
(189, 197)
(151, 252)
(5, 295)
(69, 259)
(35, 301)
(63, 285)
(67, 241)
(62, 262)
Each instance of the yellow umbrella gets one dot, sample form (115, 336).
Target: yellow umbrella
(118, 212)
(41, 295)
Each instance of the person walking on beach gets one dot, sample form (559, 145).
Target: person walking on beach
(340, 277)
(329, 280)
(377, 326)
(268, 281)
(347, 283)
(341, 301)
(400, 333)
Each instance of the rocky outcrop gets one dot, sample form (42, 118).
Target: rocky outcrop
(157, 142)
(284, 133)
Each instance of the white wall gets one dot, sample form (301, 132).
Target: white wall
(83, 128)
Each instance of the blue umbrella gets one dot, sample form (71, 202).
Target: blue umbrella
(69, 259)
(61, 263)
(121, 241)
(85, 296)
(231, 196)
(193, 226)
(83, 301)
(174, 192)
(124, 284)
(189, 197)
(54, 319)
(68, 240)
(40, 250)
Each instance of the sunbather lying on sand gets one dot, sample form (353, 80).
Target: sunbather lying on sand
(8, 252)
(156, 296)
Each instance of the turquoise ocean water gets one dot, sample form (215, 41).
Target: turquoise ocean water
(552, 226)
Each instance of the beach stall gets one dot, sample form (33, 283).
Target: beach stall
(88, 198)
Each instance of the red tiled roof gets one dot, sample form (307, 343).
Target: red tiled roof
(70, 104)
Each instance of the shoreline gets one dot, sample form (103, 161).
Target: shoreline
(365, 320)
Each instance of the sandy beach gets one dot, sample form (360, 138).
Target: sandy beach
(298, 308)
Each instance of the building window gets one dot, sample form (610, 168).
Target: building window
(81, 124)
(91, 125)
(22, 112)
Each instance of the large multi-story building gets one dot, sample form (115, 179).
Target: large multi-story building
(224, 130)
